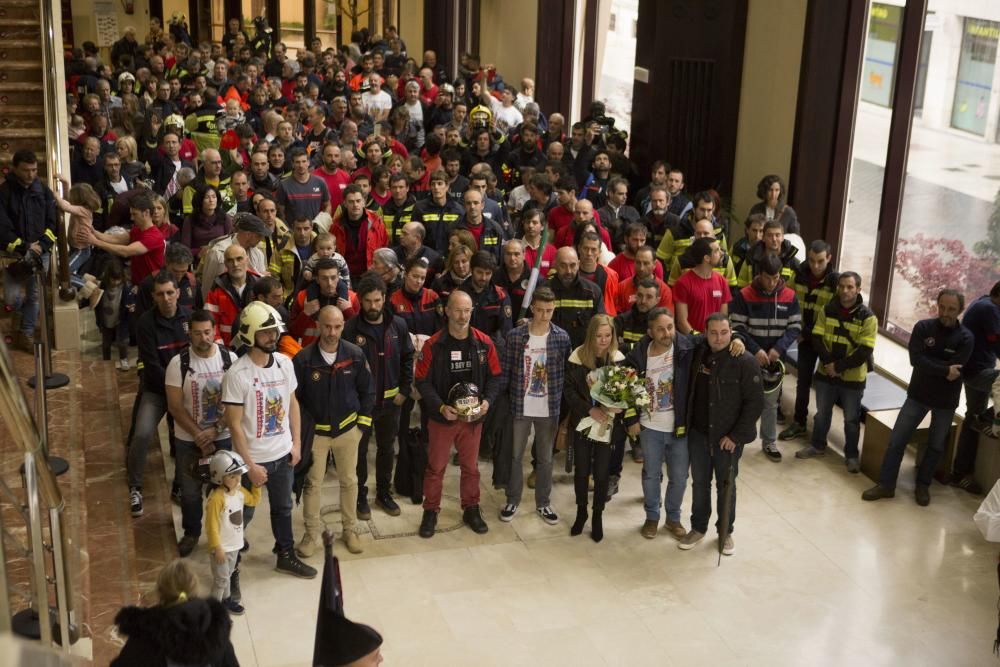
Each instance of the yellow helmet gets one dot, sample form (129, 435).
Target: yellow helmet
(256, 316)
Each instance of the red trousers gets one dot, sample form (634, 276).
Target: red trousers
(465, 437)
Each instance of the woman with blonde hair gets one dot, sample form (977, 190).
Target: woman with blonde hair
(183, 629)
(599, 349)
(457, 269)
(128, 151)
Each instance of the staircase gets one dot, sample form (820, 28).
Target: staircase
(22, 111)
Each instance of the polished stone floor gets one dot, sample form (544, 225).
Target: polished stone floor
(818, 578)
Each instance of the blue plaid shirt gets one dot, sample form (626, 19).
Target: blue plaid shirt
(557, 347)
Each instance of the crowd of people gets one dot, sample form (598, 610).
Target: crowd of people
(346, 248)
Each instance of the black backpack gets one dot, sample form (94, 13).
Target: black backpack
(227, 360)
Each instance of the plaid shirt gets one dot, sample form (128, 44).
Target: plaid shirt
(557, 347)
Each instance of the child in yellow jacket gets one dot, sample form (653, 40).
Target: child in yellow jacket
(224, 521)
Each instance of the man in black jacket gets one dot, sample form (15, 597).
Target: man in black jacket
(162, 333)
(336, 395)
(27, 225)
(458, 354)
(385, 340)
(939, 347)
(729, 389)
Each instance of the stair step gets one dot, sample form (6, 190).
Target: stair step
(21, 132)
(19, 64)
(19, 22)
(19, 86)
(23, 109)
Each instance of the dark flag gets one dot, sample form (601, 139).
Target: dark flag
(339, 641)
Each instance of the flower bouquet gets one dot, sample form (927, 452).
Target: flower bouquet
(615, 388)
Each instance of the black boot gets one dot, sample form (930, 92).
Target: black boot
(597, 524)
(581, 518)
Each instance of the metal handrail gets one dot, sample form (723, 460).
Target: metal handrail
(56, 137)
(39, 485)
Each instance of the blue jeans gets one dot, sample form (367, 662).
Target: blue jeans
(186, 458)
(977, 398)
(659, 447)
(280, 475)
(152, 407)
(22, 295)
(77, 260)
(708, 460)
(850, 400)
(910, 416)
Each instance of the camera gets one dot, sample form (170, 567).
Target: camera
(27, 265)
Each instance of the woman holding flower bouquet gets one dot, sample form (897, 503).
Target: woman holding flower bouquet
(592, 450)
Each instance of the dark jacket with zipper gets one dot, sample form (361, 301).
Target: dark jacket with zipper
(577, 393)
(194, 632)
(933, 349)
(422, 312)
(334, 398)
(160, 338)
(390, 359)
(735, 395)
(434, 380)
(683, 349)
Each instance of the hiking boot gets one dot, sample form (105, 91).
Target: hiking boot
(967, 483)
(308, 546)
(289, 563)
(187, 545)
(428, 523)
(233, 607)
(923, 495)
(364, 509)
(853, 465)
(531, 479)
(548, 516)
(352, 541)
(473, 518)
(675, 529)
(385, 501)
(26, 341)
(808, 452)
(689, 540)
(794, 431)
(637, 454)
(135, 501)
(771, 452)
(728, 547)
(649, 529)
(878, 492)
(234, 586)
(508, 512)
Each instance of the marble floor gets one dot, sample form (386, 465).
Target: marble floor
(818, 578)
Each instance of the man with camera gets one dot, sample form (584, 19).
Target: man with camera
(28, 230)
(458, 377)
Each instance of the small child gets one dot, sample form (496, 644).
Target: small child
(325, 245)
(224, 521)
(113, 310)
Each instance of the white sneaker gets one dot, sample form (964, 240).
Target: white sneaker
(508, 512)
(123, 364)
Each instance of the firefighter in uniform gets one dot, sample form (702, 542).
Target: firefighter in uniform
(577, 299)
(844, 335)
(385, 340)
(815, 286)
(399, 209)
(438, 213)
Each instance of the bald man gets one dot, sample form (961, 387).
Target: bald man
(583, 213)
(457, 363)
(336, 395)
(577, 299)
(231, 291)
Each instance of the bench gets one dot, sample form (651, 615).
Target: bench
(881, 393)
(878, 429)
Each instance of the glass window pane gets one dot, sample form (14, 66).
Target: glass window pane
(976, 63)
(949, 228)
(878, 70)
(326, 23)
(293, 26)
(617, 62)
(871, 143)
